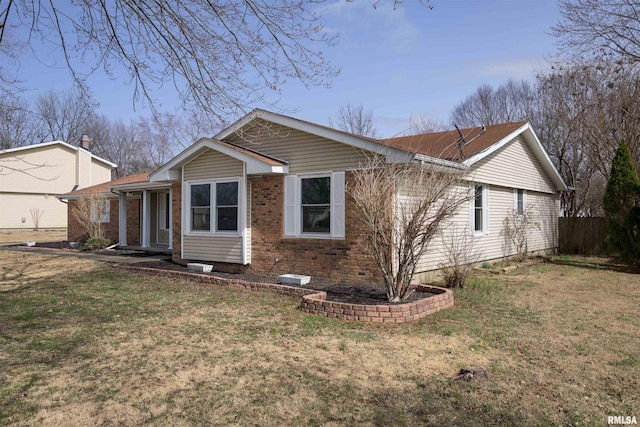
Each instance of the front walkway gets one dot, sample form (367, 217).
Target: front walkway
(117, 259)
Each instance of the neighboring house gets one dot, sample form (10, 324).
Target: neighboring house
(31, 177)
(267, 195)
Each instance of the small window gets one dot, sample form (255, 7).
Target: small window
(227, 206)
(201, 207)
(478, 209)
(316, 205)
(520, 201)
(100, 211)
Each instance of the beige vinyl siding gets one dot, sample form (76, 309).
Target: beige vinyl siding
(304, 152)
(212, 164)
(51, 170)
(215, 247)
(14, 207)
(210, 248)
(494, 244)
(99, 172)
(515, 166)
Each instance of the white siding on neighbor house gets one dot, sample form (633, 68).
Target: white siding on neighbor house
(84, 169)
(495, 244)
(14, 207)
(303, 151)
(515, 166)
(99, 172)
(57, 174)
(216, 248)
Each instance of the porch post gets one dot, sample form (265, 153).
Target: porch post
(145, 220)
(170, 196)
(122, 219)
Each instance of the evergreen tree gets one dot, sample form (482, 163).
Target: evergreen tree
(621, 205)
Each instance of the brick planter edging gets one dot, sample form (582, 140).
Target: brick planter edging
(315, 302)
(398, 313)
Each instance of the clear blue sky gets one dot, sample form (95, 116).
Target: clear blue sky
(399, 63)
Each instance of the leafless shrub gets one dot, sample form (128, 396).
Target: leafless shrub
(36, 215)
(91, 213)
(401, 208)
(460, 256)
(517, 227)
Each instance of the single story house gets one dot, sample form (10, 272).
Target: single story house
(31, 178)
(267, 195)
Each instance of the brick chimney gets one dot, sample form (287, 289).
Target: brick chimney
(84, 142)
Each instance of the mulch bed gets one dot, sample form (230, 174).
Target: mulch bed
(367, 294)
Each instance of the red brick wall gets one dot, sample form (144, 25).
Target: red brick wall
(340, 260)
(75, 232)
(176, 218)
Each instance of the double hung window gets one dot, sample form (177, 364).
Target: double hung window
(479, 209)
(214, 206)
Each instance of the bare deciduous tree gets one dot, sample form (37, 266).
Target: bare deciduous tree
(65, 114)
(594, 27)
(401, 208)
(422, 123)
(510, 102)
(355, 119)
(220, 56)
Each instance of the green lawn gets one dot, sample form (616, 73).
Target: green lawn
(102, 346)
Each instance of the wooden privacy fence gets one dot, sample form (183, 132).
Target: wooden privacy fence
(584, 236)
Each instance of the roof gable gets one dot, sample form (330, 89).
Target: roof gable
(20, 150)
(256, 162)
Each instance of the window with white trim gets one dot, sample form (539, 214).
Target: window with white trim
(520, 201)
(479, 209)
(100, 211)
(314, 205)
(227, 206)
(164, 211)
(200, 207)
(214, 206)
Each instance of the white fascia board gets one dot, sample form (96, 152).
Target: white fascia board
(253, 165)
(140, 186)
(536, 146)
(58, 142)
(40, 145)
(440, 162)
(393, 154)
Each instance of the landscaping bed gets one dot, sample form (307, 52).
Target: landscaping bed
(365, 294)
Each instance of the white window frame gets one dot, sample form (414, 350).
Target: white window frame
(213, 208)
(485, 209)
(106, 216)
(515, 200)
(164, 211)
(293, 206)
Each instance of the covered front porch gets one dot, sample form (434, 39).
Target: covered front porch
(152, 215)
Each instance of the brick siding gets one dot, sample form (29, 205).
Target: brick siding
(340, 260)
(75, 232)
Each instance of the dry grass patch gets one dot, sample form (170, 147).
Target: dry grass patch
(103, 346)
(20, 236)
